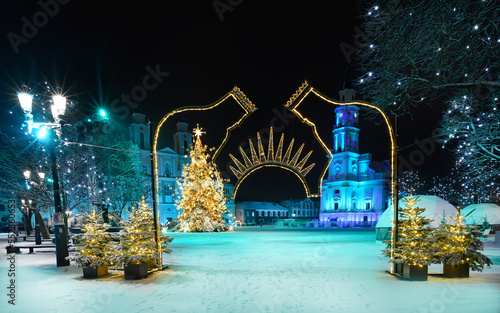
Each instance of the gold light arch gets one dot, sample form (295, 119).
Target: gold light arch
(294, 102)
(272, 159)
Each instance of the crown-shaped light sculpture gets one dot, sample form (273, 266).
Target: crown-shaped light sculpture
(272, 158)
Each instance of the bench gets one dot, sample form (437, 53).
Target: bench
(13, 249)
(30, 238)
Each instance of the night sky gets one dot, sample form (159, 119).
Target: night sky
(99, 54)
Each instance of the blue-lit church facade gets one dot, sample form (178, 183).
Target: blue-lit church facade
(354, 194)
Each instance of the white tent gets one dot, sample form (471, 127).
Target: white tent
(436, 209)
(482, 212)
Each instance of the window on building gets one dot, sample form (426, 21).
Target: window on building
(367, 205)
(168, 169)
(141, 140)
(336, 206)
(169, 190)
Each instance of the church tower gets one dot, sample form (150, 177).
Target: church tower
(139, 131)
(182, 138)
(346, 131)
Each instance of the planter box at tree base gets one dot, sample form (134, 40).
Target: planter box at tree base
(94, 272)
(136, 271)
(415, 272)
(460, 271)
(398, 268)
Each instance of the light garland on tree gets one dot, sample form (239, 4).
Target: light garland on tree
(459, 244)
(414, 245)
(93, 244)
(137, 238)
(201, 198)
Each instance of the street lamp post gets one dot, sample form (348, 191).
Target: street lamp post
(58, 108)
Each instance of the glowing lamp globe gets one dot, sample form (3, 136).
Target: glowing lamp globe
(26, 101)
(42, 133)
(59, 106)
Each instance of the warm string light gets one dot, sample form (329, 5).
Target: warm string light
(201, 198)
(271, 160)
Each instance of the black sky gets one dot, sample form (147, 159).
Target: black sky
(100, 50)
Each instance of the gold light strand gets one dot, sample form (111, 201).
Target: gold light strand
(260, 161)
(297, 94)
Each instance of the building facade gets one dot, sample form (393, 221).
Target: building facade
(301, 209)
(260, 213)
(354, 193)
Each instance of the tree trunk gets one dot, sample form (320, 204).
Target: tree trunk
(43, 227)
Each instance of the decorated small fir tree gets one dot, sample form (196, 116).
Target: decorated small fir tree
(137, 238)
(458, 244)
(202, 193)
(93, 244)
(415, 241)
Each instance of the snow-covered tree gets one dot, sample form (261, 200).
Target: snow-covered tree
(433, 51)
(471, 129)
(93, 244)
(418, 51)
(415, 243)
(410, 180)
(137, 238)
(94, 166)
(458, 244)
(201, 193)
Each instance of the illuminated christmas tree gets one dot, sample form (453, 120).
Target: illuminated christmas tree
(137, 238)
(93, 243)
(457, 244)
(415, 242)
(202, 193)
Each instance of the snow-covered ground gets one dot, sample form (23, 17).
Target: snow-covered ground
(254, 271)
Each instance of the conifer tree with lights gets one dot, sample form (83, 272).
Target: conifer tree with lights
(415, 244)
(137, 239)
(92, 247)
(202, 193)
(457, 246)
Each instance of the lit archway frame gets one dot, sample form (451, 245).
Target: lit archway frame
(272, 159)
(237, 95)
(304, 90)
